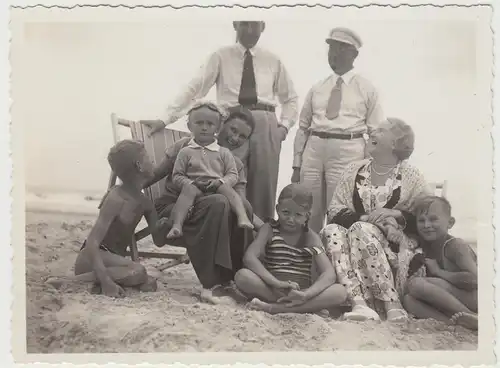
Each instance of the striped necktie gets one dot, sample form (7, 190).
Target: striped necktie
(333, 107)
(248, 88)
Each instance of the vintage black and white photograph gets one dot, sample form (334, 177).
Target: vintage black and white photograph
(248, 180)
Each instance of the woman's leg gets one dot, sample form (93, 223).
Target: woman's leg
(236, 205)
(371, 266)
(331, 297)
(337, 247)
(180, 211)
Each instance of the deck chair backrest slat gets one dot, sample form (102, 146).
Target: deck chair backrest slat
(155, 146)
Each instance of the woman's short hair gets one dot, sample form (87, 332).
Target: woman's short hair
(123, 156)
(241, 113)
(404, 138)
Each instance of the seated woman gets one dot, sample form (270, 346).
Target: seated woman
(211, 231)
(280, 261)
(374, 199)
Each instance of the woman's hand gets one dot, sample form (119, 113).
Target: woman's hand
(379, 215)
(294, 298)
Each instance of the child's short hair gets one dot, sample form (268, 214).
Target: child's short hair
(298, 193)
(423, 204)
(123, 156)
(243, 113)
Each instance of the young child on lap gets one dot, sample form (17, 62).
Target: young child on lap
(450, 288)
(204, 167)
(279, 263)
(102, 257)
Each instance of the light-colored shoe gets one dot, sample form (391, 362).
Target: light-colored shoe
(361, 313)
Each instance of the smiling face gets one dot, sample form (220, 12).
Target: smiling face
(204, 123)
(381, 140)
(435, 222)
(248, 33)
(234, 133)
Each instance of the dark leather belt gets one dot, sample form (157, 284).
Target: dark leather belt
(324, 135)
(260, 107)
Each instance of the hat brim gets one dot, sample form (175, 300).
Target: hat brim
(331, 40)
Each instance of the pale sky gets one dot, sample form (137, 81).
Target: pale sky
(69, 78)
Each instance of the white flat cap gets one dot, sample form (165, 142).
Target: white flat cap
(345, 35)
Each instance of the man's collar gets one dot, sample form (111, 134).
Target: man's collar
(347, 77)
(214, 146)
(241, 48)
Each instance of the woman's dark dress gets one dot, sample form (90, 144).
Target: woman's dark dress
(214, 242)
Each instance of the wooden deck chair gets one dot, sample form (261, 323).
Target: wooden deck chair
(155, 147)
(439, 188)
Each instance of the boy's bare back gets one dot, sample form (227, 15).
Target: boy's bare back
(126, 210)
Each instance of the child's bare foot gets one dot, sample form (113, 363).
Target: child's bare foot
(257, 304)
(207, 296)
(467, 320)
(175, 232)
(245, 223)
(150, 285)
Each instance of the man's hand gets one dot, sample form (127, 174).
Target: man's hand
(112, 289)
(296, 175)
(283, 132)
(154, 125)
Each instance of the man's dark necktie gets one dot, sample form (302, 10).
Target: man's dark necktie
(248, 89)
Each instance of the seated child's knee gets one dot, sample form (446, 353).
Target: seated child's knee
(243, 276)
(416, 285)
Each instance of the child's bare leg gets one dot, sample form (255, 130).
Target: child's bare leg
(329, 298)
(422, 310)
(468, 298)
(236, 205)
(429, 293)
(253, 287)
(123, 271)
(180, 211)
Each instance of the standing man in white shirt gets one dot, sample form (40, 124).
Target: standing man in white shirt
(254, 78)
(337, 113)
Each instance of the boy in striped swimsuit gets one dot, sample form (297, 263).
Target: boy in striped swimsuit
(279, 263)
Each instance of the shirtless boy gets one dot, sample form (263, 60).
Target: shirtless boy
(450, 288)
(102, 257)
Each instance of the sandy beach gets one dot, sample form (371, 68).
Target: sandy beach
(72, 320)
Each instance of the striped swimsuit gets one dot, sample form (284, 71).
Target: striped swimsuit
(288, 263)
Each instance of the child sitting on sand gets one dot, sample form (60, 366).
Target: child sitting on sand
(279, 262)
(205, 167)
(101, 259)
(450, 288)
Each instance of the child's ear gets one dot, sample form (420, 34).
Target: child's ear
(138, 166)
(451, 222)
